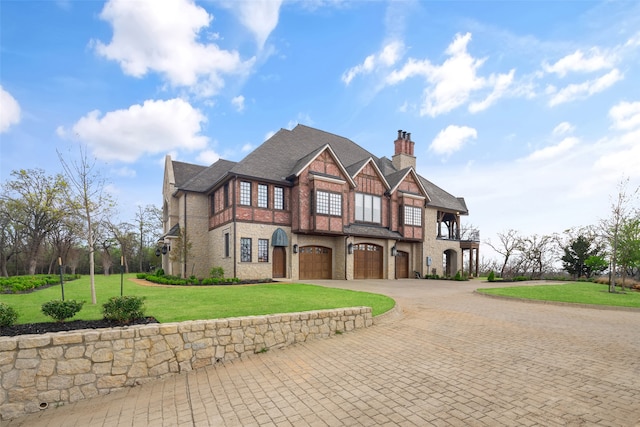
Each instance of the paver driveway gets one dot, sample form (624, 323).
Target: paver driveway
(451, 357)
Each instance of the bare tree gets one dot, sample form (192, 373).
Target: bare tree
(123, 234)
(536, 253)
(611, 227)
(508, 245)
(149, 224)
(92, 202)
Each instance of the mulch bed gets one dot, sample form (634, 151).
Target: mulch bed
(43, 328)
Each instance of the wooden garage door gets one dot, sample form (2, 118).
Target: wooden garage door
(315, 263)
(367, 261)
(402, 265)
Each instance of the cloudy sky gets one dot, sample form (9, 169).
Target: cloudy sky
(529, 110)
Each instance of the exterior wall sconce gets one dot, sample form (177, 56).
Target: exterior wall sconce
(295, 249)
(394, 251)
(162, 251)
(350, 248)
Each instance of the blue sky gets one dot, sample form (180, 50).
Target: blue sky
(528, 109)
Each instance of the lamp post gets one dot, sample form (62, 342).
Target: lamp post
(61, 278)
(121, 273)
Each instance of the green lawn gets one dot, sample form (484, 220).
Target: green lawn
(174, 304)
(575, 292)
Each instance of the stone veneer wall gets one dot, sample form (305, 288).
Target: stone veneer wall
(38, 371)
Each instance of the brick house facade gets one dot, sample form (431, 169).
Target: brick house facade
(307, 204)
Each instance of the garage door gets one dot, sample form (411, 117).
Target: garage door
(315, 263)
(367, 261)
(402, 265)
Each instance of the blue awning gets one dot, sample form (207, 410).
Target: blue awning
(279, 238)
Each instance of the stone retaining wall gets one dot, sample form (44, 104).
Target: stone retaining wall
(40, 371)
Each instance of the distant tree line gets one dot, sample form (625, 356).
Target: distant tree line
(612, 246)
(46, 220)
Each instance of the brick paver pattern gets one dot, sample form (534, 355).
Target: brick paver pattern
(450, 358)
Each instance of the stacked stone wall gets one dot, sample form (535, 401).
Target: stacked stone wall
(43, 371)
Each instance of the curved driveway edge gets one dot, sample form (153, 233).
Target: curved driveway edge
(451, 358)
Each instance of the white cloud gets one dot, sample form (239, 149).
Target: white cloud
(620, 156)
(563, 128)
(238, 103)
(625, 115)
(247, 147)
(594, 60)
(501, 84)
(452, 139)
(259, 16)
(208, 157)
(163, 37)
(452, 83)
(554, 151)
(10, 112)
(151, 128)
(387, 57)
(585, 89)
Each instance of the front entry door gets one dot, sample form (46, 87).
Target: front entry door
(279, 264)
(402, 265)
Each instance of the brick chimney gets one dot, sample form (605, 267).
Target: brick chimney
(403, 157)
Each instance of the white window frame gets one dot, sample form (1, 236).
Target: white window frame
(412, 215)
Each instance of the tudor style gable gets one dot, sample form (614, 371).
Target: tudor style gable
(371, 205)
(408, 198)
(320, 193)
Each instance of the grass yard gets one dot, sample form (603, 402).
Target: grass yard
(179, 303)
(574, 292)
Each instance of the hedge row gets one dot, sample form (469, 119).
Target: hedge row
(17, 284)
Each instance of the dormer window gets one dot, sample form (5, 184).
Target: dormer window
(368, 208)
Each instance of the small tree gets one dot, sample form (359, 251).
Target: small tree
(612, 226)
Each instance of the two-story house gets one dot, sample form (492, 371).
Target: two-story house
(307, 204)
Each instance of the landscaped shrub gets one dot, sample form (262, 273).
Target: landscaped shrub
(216, 273)
(141, 276)
(460, 276)
(123, 309)
(492, 276)
(8, 315)
(159, 272)
(62, 310)
(17, 284)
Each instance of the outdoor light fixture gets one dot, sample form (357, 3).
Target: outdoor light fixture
(158, 253)
(394, 251)
(164, 250)
(350, 248)
(295, 249)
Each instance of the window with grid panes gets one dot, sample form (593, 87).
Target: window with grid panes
(263, 198)
(278, 198)
(245, 249)
(412, 215)
(263, 250)
(245, 193)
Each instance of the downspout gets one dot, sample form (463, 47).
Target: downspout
(346, 255)
(184, 240)
(235, 229)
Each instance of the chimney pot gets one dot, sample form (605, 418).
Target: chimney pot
(404, 135)
(409, 136)
(399, 133)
